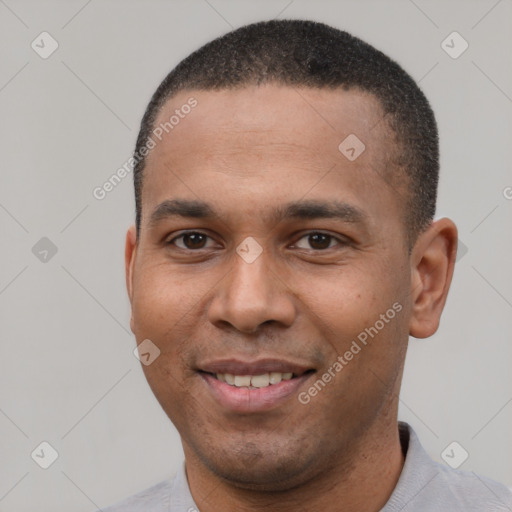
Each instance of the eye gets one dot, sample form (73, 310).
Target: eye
(191, 240)
(320, 241)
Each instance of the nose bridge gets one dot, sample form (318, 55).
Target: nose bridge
(251, 294)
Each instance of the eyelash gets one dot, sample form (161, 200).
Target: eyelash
(341, 241)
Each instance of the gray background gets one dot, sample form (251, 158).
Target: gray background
(67, 372)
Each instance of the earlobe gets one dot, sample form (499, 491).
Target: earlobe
(432, 264)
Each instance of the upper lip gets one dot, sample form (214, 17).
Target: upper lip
(258, 367)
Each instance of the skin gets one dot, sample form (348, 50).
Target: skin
(246, 152)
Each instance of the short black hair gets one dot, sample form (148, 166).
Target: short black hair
(304, 53)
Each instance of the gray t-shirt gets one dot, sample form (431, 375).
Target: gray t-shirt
(424, 486)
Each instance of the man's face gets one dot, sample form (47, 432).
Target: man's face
(213, 304)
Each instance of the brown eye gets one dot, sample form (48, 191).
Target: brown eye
(192, 240)
(320, 241)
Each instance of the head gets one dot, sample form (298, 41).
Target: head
(284, 220)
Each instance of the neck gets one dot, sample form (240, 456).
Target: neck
(360, 481)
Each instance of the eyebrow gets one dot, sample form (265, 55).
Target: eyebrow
(304, 209)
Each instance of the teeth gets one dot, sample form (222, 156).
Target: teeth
(275, 377)
(242, 380)
(260, 381)
(254, 381)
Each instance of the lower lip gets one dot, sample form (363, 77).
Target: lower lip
(253, 400)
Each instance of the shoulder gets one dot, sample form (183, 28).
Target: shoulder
(152, 499)
(471, 491)
(428, 486)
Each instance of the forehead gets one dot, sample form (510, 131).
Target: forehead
(272, 109)
(281, 137)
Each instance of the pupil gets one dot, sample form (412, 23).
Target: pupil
(320, 239)
(196, 239)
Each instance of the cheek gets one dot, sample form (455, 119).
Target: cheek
(344, 300)
(165, 310)
(360, 316)
(161, 299)
(162, 310)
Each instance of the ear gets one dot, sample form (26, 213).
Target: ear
(432, 264)
(130, 253)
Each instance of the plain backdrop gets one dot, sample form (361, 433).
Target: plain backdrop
(68, 375)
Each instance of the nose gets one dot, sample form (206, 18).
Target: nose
(250, 295)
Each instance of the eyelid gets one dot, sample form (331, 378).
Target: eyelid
(187, 232)
(341, 239)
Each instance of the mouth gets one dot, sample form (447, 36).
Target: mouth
(259, 386)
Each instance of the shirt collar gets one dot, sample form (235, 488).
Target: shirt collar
(418, 472)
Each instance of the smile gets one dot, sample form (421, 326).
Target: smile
(251, 389)
(254, 381)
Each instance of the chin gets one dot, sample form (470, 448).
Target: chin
(253, 468)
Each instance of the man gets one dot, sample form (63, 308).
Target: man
(284, 251)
